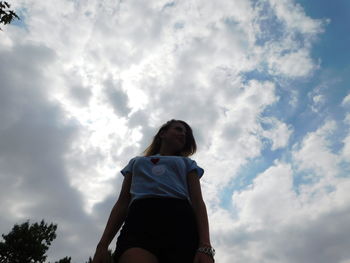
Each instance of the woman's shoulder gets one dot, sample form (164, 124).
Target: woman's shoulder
(133, 159)
(177, 157)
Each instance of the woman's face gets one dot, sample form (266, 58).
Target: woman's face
(175, 136)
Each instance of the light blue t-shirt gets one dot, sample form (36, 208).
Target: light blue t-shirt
(160, 176)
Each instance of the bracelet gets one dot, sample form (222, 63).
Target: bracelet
(207, 250)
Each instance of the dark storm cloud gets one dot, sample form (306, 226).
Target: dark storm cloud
(79, 92)
(325, 239)
(139, 118)
(34, 138)
(116, 97)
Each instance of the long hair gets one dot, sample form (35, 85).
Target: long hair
(190, 145)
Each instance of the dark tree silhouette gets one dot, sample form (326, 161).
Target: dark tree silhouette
(6, 15)
(64, 260)
(28, 243)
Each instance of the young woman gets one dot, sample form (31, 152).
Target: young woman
(161, 205)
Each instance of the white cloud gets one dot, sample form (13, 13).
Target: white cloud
(238, 138)
(346, 149)
(269, 200)
(318, 97)
(346, 100)
(347, 119)
(318, 101)
(276, 224)
(279, 134)
(295, 18)
(314, 152)
(279, 215)
(346, 141)
(292, 64)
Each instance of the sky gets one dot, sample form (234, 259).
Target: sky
(264, 84)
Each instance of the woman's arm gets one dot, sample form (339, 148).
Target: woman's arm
(200, 211)
(115, 220)
(199, 208)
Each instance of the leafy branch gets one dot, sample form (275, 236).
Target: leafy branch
(6, 15)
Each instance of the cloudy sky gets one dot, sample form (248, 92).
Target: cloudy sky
(84, 86)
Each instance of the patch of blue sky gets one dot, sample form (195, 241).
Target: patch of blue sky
(332, 48)
(301, 115)
(302, 178)
(179, 25)
(344, 169)
(231, 23)
(271, 28)
(169, 5)
(234, 27)
(283, 109)
(248, 173)
(255, 167)
(332, 82)
(333, 45)
(22, 12)
(255, 75)
(335, 139)
(226, 196)
(305, 118)
(258, 165)
(88, 13)
(330, 188)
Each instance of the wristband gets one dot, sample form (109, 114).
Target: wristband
(207, 250)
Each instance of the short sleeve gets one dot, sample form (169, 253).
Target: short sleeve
(193, 166)
(128, 169)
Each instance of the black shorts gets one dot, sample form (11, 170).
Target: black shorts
(166, 227)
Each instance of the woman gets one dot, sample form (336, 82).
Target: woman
(161, 203)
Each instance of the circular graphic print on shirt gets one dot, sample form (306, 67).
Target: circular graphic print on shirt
(158, 169)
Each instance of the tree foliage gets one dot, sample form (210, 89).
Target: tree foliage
(27, 243)
(6, 15)
(64, 260)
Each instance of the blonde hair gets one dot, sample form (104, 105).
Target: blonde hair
(190, 145)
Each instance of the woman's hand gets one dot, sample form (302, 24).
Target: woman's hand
(203, 258)
(101, 255)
